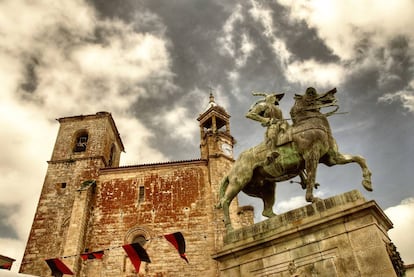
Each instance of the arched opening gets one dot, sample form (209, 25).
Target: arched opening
(139, 235)
(140, 239)
(81, 141)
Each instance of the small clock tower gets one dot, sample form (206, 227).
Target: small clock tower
(216, 146)
(215, 139)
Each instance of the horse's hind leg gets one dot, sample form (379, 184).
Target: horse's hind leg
(231, 191)
(268, 197)
(311, 165)
(339, 158)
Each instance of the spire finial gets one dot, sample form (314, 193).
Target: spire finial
(212, 98)
(211, 94)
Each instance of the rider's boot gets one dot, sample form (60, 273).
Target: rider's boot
(271, 157)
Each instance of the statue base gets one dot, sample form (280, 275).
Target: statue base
(344, 235)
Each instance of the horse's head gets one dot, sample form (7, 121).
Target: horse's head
(312, 99)
(312, 102)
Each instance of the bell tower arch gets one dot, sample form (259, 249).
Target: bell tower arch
(88, 137)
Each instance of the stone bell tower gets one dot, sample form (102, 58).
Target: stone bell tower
(215, 139)
(216, 146)
(84, 145)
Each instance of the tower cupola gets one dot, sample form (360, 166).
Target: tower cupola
(215, 135)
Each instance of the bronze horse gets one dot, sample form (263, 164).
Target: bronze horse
(308, 142)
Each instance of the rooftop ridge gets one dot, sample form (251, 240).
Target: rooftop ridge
(152, 164)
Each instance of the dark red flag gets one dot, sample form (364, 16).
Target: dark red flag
(177, 239)
(92, 255)
(58, 267)
(6, 266)
(136, 254)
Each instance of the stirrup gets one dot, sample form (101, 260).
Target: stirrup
(271, 158)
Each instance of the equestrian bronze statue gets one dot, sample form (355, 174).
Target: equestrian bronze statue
(287, 151)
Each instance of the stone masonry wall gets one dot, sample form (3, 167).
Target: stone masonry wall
(66, 172)
(48, 234)
(175, 200)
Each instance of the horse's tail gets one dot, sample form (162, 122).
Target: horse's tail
(223, 187)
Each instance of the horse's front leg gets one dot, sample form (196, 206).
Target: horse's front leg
(366, 173)
(311, 165)
(339, 158)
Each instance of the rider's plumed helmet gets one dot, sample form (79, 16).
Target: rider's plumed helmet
(311, 92)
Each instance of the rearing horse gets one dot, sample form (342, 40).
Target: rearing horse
(306, 143)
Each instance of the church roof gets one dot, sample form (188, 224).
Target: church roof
(155, 164)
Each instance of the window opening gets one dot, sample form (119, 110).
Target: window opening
(141, 196)
(137, 239)
(111, 155)
(81, 142)
(140, 239)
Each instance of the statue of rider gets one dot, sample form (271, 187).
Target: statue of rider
(268, 113)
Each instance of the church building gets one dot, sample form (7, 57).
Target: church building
(90, 204)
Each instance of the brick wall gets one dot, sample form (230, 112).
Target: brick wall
(175, 200)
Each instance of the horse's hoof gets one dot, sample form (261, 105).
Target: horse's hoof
(312, 199)
(269, 215)
(367, 185)
(316, 199)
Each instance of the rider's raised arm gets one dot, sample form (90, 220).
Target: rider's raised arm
(256, 113)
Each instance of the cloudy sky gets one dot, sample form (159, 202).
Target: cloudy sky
(152, 64)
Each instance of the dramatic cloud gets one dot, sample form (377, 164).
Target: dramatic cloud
(62, 60)
(403, 218)
(406, 97)
(264, 16)
(75, 63)
(311, 71)
(344, 25)
(226, 42)
(187, 128)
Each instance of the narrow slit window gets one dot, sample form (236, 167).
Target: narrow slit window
(141, 195)
(111, 156)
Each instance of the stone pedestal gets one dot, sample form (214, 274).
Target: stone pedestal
(343, 235)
